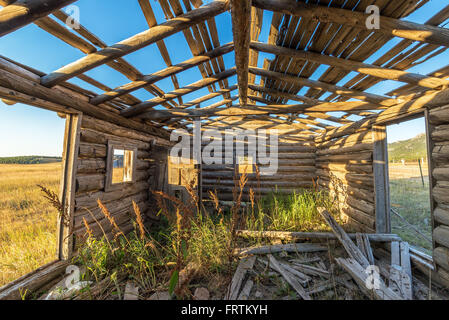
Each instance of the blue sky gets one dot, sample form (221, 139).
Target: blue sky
(26, 130)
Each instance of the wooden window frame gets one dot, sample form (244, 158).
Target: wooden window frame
(113, 145)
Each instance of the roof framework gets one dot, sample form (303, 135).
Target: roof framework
(328, 37)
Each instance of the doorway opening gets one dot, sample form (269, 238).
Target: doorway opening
(31, 165)
(408, 171)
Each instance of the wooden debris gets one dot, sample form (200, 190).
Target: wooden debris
(243, 267)
(284, 235)
(289, 278)
(201, 294)
(313, 271)
(341, 235)
(160, 295)
(131, 291)
(400, 283)
(306, 260)
(368, 249)
(244, 295)
(360, 277)
(290, 247)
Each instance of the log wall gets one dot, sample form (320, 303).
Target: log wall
(439, 148)
(345, 168)
(91, 176)
(296, 170)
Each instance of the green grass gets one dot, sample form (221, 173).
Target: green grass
(290, 212)
(411, 200)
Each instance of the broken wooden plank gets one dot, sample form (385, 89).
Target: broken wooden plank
(302, 278)
(341, 235)
(359, 275)
(244, 295)
(243, 267)
(290, 247)
(131, 291)
(285, 235)
(289, 278)
(395, 253)
(405, 258)
(311, 270)
(400, 283)
(368, 249)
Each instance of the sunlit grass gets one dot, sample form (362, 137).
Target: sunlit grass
(27, 221)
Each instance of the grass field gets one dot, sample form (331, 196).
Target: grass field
(27, 221)
(410, 198)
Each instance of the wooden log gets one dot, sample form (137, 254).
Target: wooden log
(360, 216)
(439, 115)
(142, 107)
(284, 235)
(361, 205)
(22, 12)
(69, 99)
(290, 247)
(441, 215)
(441, 133)
(241, 22)
(90, 200)
(346, 168)
(301, 81)
(119, 131)
(162, 74)
(441, 153)
(342, 236)
(441, 193)
(368, 156)
(352, 65)
(350, 140)
(135, 42)
(33, 281)
(289, 278)
(91, 166)
(388, 26)
(343, 149)
(97, 137)
(441, 256)
(244, 266)
(361, 278)
(441, 235)
(92, 150)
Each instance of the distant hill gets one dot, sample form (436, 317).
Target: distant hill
(29, 160)
(409, 150)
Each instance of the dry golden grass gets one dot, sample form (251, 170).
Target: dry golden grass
(27, 221)
(408, 170)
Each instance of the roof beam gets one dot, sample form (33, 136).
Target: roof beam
(232, 111)
(22, 12)
(207, 97)
(241, 22)
(388, 26)
(360, 95)
(146, 105)
(351, 65)
(162, 74)
(135, 42)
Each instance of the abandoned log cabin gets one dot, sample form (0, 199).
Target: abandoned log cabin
(255, 97)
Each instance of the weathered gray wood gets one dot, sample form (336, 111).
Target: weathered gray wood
(395, 253)
(285, 235)
(381, 180)
(368, 249)
(360, 277)
(246, 291)
(290, 247)
(310, 270)
(400, 282)
(289, 278)
(342, 236)
(239, 275)
(388, 26)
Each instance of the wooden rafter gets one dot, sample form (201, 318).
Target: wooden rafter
(162, 74)
(241, 22)
(23, 12)
(134, 43)
(146, 105)
(388, 26)
(364, 68)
